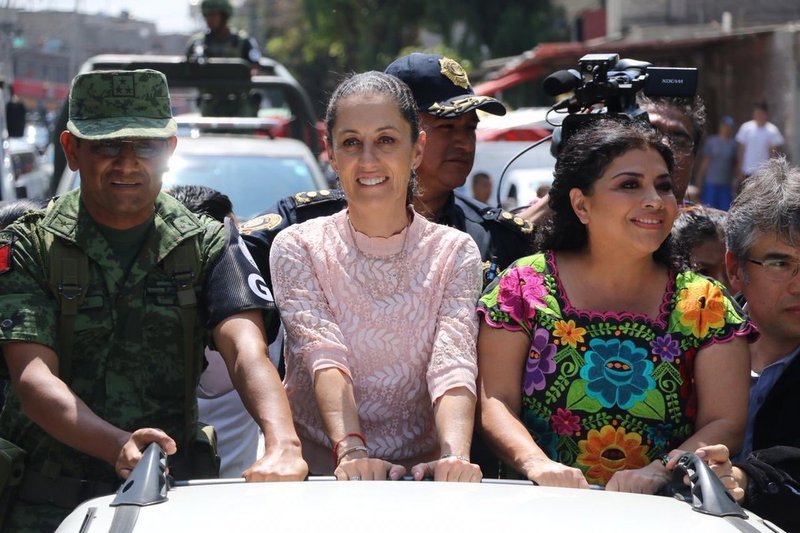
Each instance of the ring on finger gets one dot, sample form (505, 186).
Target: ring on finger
(355, 478)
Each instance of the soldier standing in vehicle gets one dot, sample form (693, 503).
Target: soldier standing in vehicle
(107, 299)
(220, 40)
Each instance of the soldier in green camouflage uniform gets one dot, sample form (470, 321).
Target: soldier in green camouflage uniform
(84, 419)
(221, 40)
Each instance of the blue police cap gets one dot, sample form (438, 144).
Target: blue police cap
(440, 86)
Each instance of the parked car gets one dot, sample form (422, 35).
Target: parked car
(255, 172)
(31, 175)
(147, 501)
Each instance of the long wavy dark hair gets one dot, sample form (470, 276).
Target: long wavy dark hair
(583, 159)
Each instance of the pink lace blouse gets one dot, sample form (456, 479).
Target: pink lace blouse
(396, 315)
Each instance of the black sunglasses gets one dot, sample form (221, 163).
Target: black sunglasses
(144, 148)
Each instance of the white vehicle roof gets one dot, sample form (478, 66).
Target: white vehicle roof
(233, 145)
(405, 507)
(145, 502)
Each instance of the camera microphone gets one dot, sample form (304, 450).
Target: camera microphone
(561, 82)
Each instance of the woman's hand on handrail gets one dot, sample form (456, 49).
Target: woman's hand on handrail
(552, 474)
(448, 468)
(368, 469)
(646, 480)
(717, 457)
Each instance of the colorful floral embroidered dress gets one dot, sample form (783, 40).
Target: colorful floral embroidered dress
(604, 391)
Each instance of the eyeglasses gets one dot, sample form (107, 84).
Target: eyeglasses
(778, 269)
(679, 142)
(143, 148)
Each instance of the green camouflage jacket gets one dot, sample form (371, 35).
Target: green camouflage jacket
(128, 357)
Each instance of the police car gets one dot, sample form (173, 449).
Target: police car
(148, 501)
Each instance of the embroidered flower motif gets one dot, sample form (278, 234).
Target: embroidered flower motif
(701, 307)
(569, 333)
(610, 450)
(522, 289)
(617, 372)
(540, 361)
(659, 434)
(542, 433)
(665, 347)
(565, 423)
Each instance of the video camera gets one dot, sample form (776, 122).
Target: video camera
(606, 85)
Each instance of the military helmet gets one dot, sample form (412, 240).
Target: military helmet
(216, 6)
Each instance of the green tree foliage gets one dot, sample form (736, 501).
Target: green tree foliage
(479, 29)
(330, 38)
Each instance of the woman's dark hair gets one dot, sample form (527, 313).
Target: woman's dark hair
(695, 225)
(582, 160)
(203, 200)
(11, 211)
(374, 82)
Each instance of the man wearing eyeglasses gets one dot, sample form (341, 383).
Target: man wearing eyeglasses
(107, 299)
(763, 260)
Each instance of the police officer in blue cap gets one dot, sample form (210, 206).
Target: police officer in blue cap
(448, 108)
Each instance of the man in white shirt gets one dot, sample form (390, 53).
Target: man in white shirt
(758, 139)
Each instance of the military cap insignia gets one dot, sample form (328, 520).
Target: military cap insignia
(5, 257)
(269, 222)
(454, 72)
(122, 85)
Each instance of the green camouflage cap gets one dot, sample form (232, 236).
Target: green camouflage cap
(112, 104)
(216, 6)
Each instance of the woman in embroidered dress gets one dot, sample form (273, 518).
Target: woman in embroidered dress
(378, 305)
(598, 356)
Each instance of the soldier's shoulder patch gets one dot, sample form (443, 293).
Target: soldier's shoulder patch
(317, 197)
(510, 220)
(6, 255)
(268, 222)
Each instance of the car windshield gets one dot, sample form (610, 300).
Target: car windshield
(253, 183)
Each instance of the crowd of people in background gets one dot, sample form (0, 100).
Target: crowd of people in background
(426, 332)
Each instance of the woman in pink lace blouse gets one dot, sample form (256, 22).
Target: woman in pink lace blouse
(378, 305)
